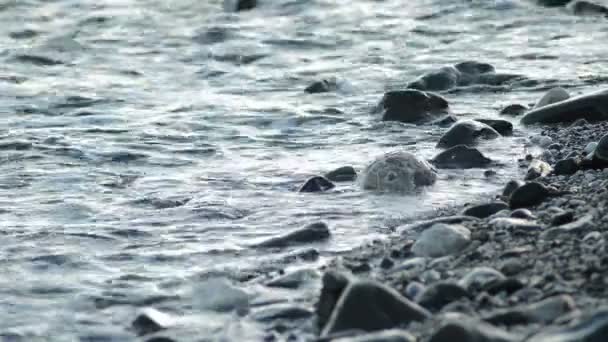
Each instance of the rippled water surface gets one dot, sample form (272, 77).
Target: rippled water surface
(145, 144)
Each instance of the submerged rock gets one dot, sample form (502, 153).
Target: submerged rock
(397, 172)
(441, 240)
(342, 174)
(370, 306)
(486, 209)
(553, 3)
(513, 110)
(317, 184)
(592, 107)
(322, 86)
(460, 157)
(314, 232)
(239, 5)
(503, 127)
(411, 106)
(218, 294)
(554, 95)
(466, 132)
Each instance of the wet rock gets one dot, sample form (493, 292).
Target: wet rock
(466, 132)
(422, 225)
(460, 157)
(591, 107)
(567, 166)
(538, 168)
(480, 277)
(553, 3)
(513, 110)
(461, 328)
(240, 5)
(508, 285)
(591, 329)
(441, 240)
(295, 279)
(503, 127)
(397, 172)
(460, 75)
(582, 7)
(439, 294)
(342, 174)
(392, 335)
(218, 294)
(317, 184)
(545, 312)
(575, 227)
(515, 224)
(522, 213)
(411, 106)
(322, 86)
(283, 311)
(370, 306)
(149, 321)
(510, 187)
(598, 157)
(562, 218)
(314, 232)
(334, 284)
(486, 209)
(445, 121)
(528, 195)
(386, 263)
(413, 289)
(160, 339)
(554, 95)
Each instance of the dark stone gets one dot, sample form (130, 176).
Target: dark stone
(462, 328)
(489, 173)
(160, 339)
(567, 166)
(445, 121)
(411, 106)
(508, 285)
(150, 321)
(592, 107)
(317, 184)
(591, 329)
(528, 195)
(485, 210)
(334, 284)
(294, 279)
(314, 232)
(244, 5)
(581, 7)
(439, 294)
(370, 306)
(387, 263)
(460, 156)
(510, 187)
(466, 132)
(562, 218)
(514, 110)
(553, 3)
(284, 311)
(323, 86)
(342, 174)
(504, 127)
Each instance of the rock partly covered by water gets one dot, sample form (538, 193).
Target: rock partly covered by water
(398, 172)
(460, 75)
(466, 132)
(411, 106)
(460, 157)
(591, 107)
(317, 184)
(554, 95)
(314, 232)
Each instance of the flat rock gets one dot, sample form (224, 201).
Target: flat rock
(317, 184)
(314, 232)
(460, 157)
(513, 110)
(466, 132)
(392, 335)
(342, 174)
(592, 107)
(461, 328)
(575, 227)
(503, 127)
(439, 294)
(486, 209)
(370, 306)
(554, 95)
(528, 195)
(441, 240)
(398, 172)
(591, 329)
(411, 106)
(545, 312)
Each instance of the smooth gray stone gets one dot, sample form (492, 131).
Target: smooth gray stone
(397, 171)
(592, 107)
(466, 132)
(440, 294)
(591, 329)
(370, 306)
(460, 157)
